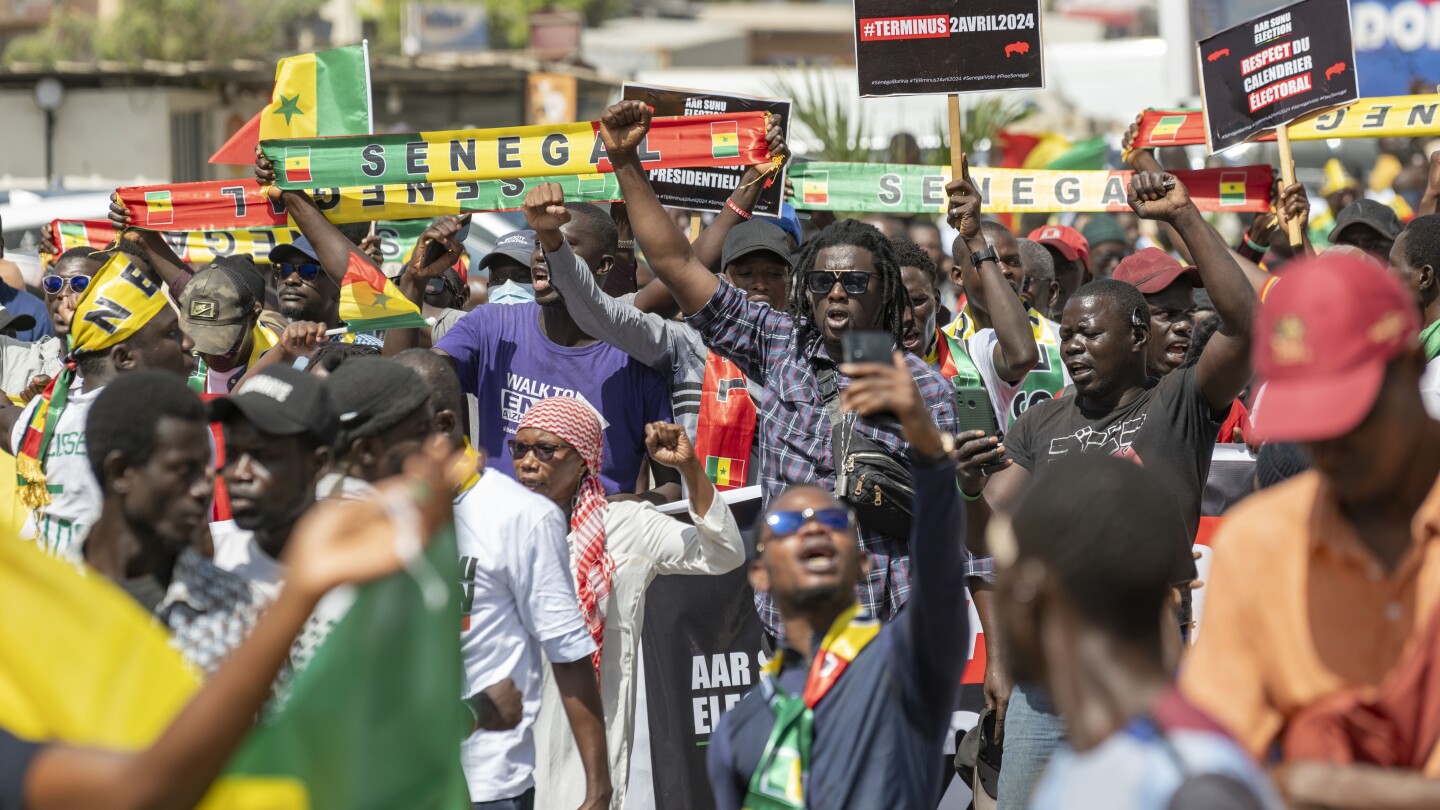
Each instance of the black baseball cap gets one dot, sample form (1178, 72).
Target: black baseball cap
(1377, 215)
(282, 401)
(517, 245)
(753, 237)
(12, 322)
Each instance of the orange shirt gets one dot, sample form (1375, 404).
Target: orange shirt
(1298, 608)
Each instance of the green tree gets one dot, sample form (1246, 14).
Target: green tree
(168, 30)
(509, 19)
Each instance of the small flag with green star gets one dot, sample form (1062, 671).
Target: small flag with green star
(319, 94)
(370, 302)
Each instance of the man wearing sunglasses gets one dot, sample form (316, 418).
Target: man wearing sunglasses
(848, 279)
(854, 708)
(1168, 425)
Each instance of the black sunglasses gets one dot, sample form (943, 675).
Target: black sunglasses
(855, 282)
(544, 451)
(54, 285)
(308, 272)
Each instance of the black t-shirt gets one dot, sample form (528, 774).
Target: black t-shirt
(1168, 430)
(15, 757)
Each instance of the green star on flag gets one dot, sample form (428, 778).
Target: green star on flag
(289, 105)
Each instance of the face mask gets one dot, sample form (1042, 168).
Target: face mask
(512, 293)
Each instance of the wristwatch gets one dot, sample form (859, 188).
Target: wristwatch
(981, 256)
(625, 244)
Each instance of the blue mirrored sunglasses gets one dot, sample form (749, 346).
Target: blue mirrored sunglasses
(54, 285)
(308, 272)
(790, 522)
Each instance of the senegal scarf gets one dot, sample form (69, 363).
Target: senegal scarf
(780, 781)
(726, 429)
(120, 300)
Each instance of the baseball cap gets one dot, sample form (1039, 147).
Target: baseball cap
(1065, 239)
(755, 236)
(1152, 270)
(1368, 212)
(282, 401)
(789, 222)
(1322, 345)
(517, 245)
(298, 252)
(214, 307)
(1103, 228)
(373, 394)
(12, 322)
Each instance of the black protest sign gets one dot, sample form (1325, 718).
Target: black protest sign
(919, 47)
(702, 654)
(1269, 71)
(707, 189)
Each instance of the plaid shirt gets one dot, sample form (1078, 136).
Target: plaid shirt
(795, 431)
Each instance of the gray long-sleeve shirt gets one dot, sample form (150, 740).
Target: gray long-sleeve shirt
(672, 348)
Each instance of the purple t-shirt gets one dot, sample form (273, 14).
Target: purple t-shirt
(509, 365)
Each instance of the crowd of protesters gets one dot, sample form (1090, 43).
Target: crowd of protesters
(1109, 355)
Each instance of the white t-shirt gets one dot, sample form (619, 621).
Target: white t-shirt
(75, 498)
(1046, 381)
(1430, 388)
(518, 600)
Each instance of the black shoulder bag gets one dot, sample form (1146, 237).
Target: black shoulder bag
(877, 486)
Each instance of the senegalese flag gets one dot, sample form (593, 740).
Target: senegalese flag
(1232, 188)
(725, 472)
(591, 184)
(318, 94)
(159, 208)
(724, 139)
(373, 722)
(369, 301)
(815, 189)
(297, 164)
(1166, 129)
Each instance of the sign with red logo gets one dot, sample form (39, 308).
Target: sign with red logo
(1269, 71)
(947, 46)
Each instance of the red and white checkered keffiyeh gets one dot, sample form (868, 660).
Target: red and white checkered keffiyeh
(577, 424)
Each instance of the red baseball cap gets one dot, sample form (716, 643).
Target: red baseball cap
(1065, 239)
(1152, 270)
(1322, 344)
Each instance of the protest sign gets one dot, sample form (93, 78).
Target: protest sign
(707, 189)
(200, 247)
(904, 189)
(1271, 70)
(925, 47)
(735, 139)
(1383, 117)
(242, 203)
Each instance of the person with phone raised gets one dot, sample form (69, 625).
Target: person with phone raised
(846, 279)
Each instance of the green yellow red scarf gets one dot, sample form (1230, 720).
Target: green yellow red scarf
(780, 781)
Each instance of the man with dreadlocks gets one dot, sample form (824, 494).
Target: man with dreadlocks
(846, 279)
